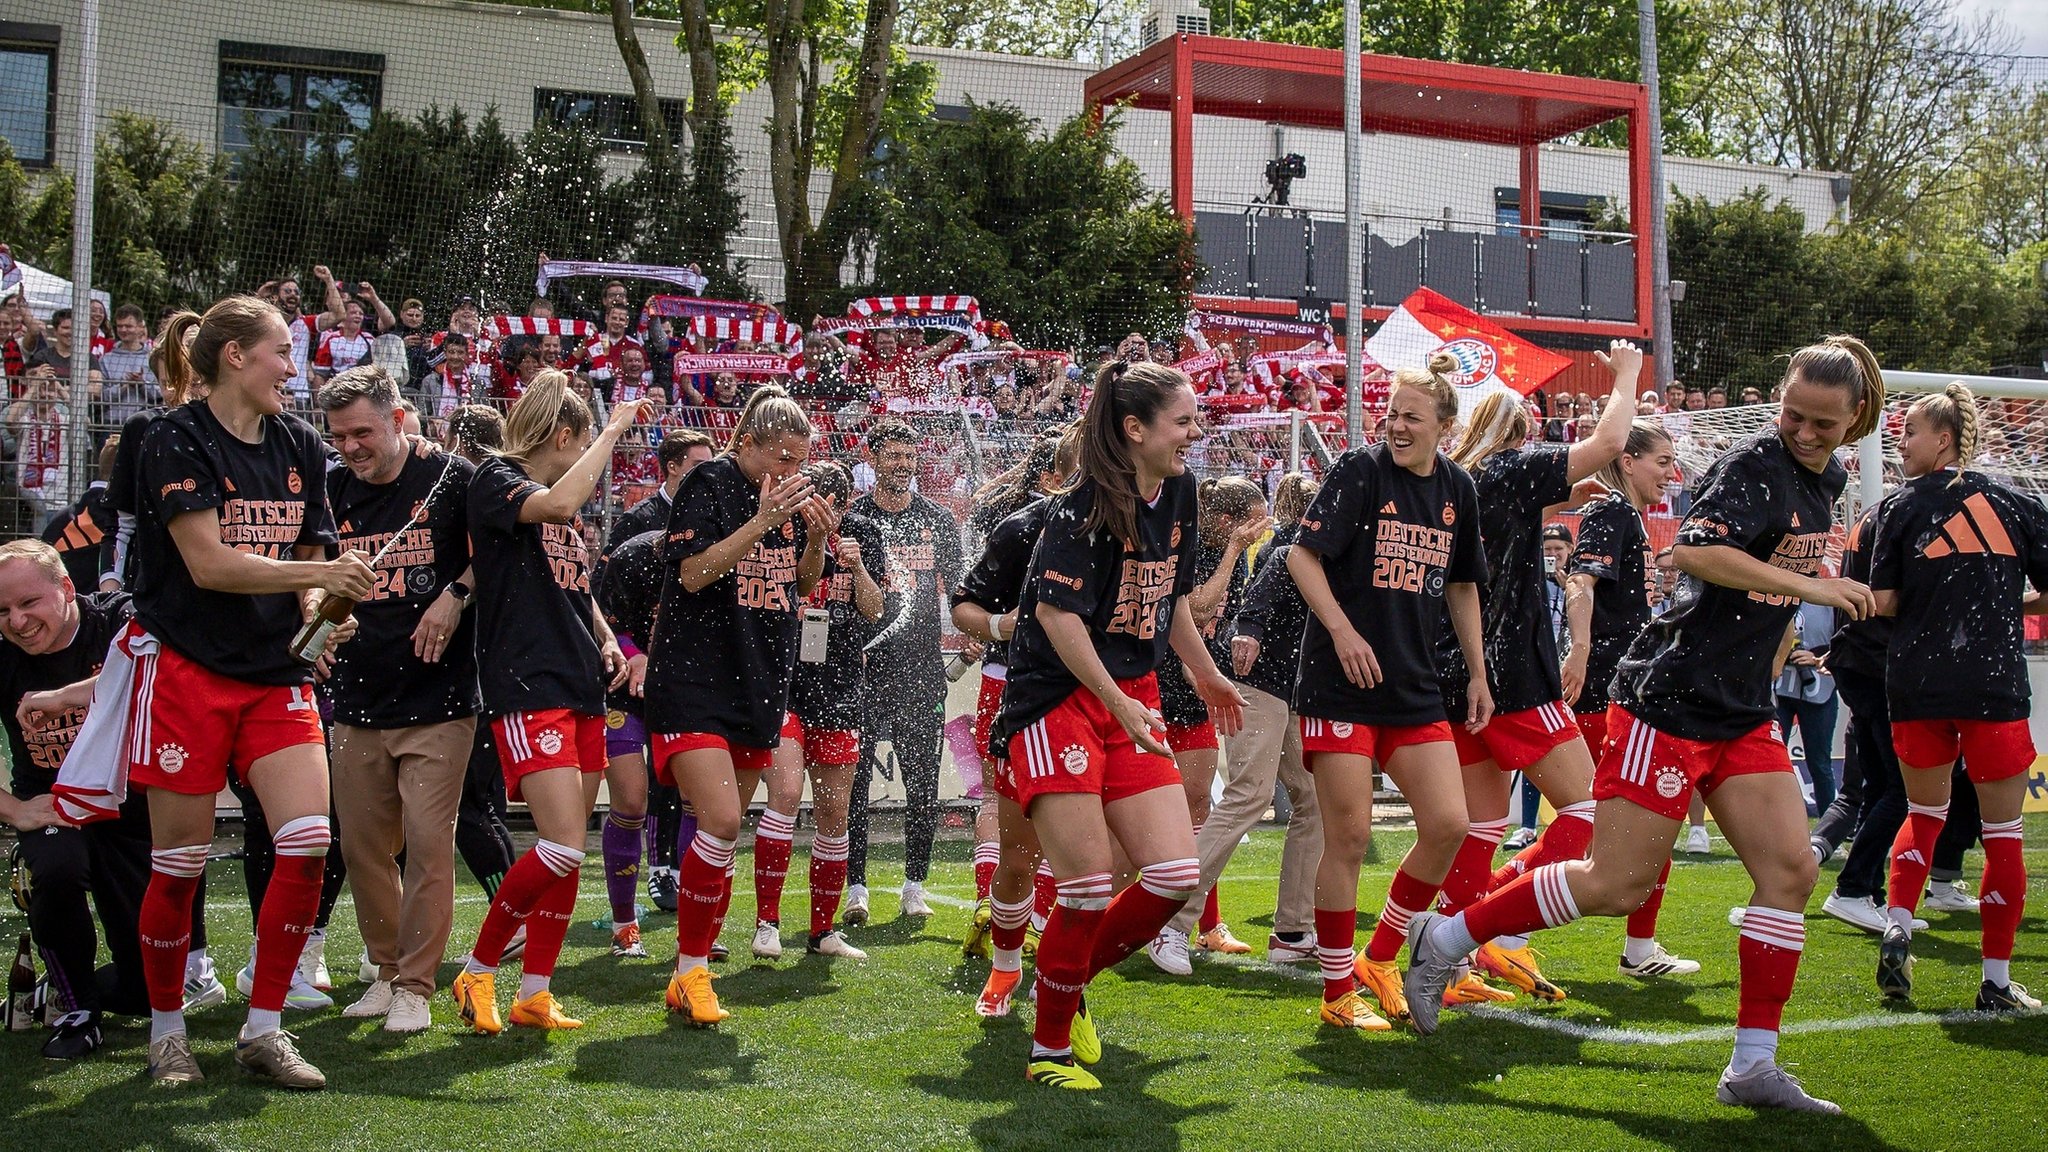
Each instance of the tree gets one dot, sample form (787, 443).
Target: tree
(1062, 28)
(1889, 91)
(2006, 172)
(1057, 233)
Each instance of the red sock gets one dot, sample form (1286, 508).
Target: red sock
(1539, 899)
(1642, 923)
(290, 905)
(1769, 950)
(1212, 913)
(828, 880)
(1063, 954)
(164, 924)
(1566, 839)
(724, 903)
(1336, 928)
(1008, 925)
(1044, 891)
(986, 855)
(1407, 897)
(1472, 869)
(1141, 910)
(701, 889)
(2002, 896)
(549, 925)
(525, 884)
(771, 863)
(1913, 854)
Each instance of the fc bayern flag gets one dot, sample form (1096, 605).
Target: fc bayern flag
(1490, 358)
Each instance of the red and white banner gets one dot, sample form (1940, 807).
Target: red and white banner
(963, 359)
(693, 306)
(1490, 358)
(874, 305)
(951, 322)
(742, 363)
(1200, 363)
(539, 326)
(715, 328)
(1203, 322)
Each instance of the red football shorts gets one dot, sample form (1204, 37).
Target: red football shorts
(1658, 771)
(1593, 726)
(1079, 747)
(1515, 740)
(529, 742)
(995, 770)
(188, 724)
(668, 745)
(835, 746)
(1991, 750)
(1192, 737)
(1375, 742)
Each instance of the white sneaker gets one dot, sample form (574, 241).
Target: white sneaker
(834, 943)
(912, 899)
(1169, 952)
(408, 1012)
(856, 910)
(767, 940)
(203, 989)
(1659, 963)
(313, 962)
(376, 1001)
(300, 995)
(1860, 911)
(1279, 951)
(1949, 898)
(366, 971)
(1697, 841)
(1519, 839)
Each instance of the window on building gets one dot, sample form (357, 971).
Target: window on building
(296, 90)
(28, 91)
(1564, 212)
(615, 118)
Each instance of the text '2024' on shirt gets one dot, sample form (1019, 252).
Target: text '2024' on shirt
(36, 756)
(1614, 548)
(378, 681)
(726, 671)
(536, 637)
(271, 497)
(1960, 557)
(1126, 593)
(1702, 671)
(1390, 542)
(1514, 488)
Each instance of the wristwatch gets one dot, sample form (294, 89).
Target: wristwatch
(462, 592)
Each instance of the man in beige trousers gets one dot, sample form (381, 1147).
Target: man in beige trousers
(1264, 656)
(404, 690)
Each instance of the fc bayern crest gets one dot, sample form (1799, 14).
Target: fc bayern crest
(1476, 360)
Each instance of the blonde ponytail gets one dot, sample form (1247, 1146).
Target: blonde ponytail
(1500, 422)
(1954, 410)
(1434, 380)
(769, 416)
(546, 406)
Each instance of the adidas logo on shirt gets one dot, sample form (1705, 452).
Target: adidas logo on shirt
(1390, 510)
(1974, 529)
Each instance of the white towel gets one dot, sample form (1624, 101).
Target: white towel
(93, 782)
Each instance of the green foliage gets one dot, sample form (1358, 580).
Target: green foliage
(1056, 233)
(1758, 286)
(557, 200)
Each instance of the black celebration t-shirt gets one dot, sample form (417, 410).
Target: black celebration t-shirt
(1390, 542)
(271, 497)
(1514, 488)
(378, 681)
(1702, 671)
(628, 592)
(1178, 702)
(1859, 646)
(723, 656)
(1275, 615)
(536, 635)
(1614, 548)
(38, 755)
(923, 562)
(827, 694)
(1126, 595)
(996, 582)
(1960, 557)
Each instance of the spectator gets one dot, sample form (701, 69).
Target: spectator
(101, 332)
(34, 429)
(1674, 396)
(526, 356)
(18, 339)
(633, 377)
(55, 352)
(130, 384)
(1557, 429)
(456, 380)
(344, 346)
(600, 354)
(1806, 699)
(410, 326)
(1717, 398)
(1752, 396)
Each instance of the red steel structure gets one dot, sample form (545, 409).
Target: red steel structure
(1188, 75)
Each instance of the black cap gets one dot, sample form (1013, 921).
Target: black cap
(1557, 532)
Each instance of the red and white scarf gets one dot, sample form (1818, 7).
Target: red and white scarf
(916, 304)
(765, 331)
(538, 326)
(688, 278)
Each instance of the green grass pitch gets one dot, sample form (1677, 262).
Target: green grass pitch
(888, 1054)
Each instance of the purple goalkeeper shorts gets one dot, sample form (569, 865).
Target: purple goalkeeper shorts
(624, 734)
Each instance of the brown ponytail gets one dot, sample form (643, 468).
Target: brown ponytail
(232, 320)
(1122, 389)
(1643, 438)
(1844, 362)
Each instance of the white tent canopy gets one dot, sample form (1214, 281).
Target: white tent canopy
(48, 292)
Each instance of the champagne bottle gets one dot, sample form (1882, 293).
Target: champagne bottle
(21, 989)
(311, 642)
